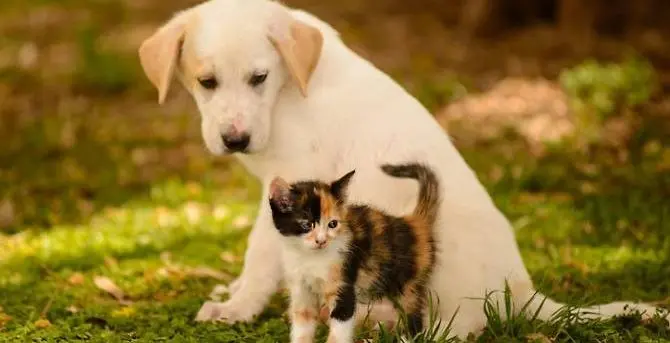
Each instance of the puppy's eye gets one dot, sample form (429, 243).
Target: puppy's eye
(258, 78)
(333, 224)
(208, 82)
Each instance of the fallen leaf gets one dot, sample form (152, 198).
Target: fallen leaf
(42, 323)
(72, 309)
(229, 257)
(107, 285)
(208, 272)
(4, 319)
(76, 279)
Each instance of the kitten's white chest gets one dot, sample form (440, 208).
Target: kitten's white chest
(313, 267)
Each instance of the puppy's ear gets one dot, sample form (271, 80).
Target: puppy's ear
(280, 195)
(300, 49)
(159, 54)
(339, 187)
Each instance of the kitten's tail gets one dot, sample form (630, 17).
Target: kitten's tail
(429, 190)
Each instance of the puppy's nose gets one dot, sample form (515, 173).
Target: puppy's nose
(236, 142)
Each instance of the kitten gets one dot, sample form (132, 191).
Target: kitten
(342, 254)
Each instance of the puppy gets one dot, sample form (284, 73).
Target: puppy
(277, 88)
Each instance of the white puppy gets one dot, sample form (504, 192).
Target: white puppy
(279, 89)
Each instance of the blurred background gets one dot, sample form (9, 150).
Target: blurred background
(560, 106)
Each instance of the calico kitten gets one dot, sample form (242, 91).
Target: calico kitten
(341, 254)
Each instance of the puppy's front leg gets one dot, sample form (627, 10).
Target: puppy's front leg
(260, 276)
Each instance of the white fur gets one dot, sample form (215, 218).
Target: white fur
(341, 331)
(302, 298)
(306, 270)
(355, 117)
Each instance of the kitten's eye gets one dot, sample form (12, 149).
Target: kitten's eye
(208, 82)
(307, 226)
(332, 224)
(258, 78)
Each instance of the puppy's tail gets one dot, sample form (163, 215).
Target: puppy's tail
(429, 192)
(546, 309)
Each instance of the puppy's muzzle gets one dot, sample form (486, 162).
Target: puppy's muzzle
(236, 141)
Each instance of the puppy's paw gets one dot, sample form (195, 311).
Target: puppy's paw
(232, 311)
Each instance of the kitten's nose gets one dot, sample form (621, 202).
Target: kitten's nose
(320, 242)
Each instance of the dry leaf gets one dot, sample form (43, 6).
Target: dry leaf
(107, 285)
(208, 272)
(229, 257)
(4, 318)
(76, 279)
(72, 309)
(42, 323)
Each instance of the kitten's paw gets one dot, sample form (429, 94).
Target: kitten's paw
(232, 311)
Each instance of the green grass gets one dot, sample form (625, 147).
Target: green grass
(591, 229)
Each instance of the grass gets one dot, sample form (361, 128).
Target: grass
(97, 181)
(591, 229)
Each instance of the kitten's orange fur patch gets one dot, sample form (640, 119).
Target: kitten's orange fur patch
(328, 203)
(424, 235)
(410, 299)
(332, 287)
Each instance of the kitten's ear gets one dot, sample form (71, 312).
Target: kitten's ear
(339, 187)
(280, 194)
